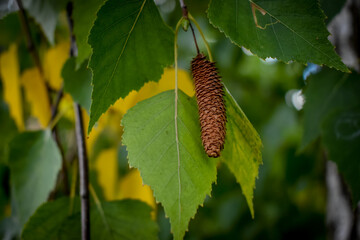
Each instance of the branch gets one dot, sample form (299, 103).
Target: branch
(80, 139)
(185, 14)
(34, 54)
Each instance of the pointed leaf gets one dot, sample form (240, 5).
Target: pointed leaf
(125, 219)
(131, 46)
(34, 162)
(84, 18)
(180, 180)
(78, 83)
(283, 29)
(242, 149)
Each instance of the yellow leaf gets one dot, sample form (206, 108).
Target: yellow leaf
(9, 70)
(131, 186)
(150, 89)
(36, 94)
(106, 166)
(54, 60)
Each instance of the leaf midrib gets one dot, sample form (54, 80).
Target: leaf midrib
(123, 49)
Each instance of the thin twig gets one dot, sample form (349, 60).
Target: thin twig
(80, 139)
(193, 33)
(185, 14)
(31, 45)
(84, 174)
(34, 54)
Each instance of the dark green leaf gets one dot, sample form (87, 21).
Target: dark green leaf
(84, 15)
(34, 162)
(341, 136)
(47, 220)
(78, 83)
(287, 30)
(45, 13)
(8, 130)
(131, 46)
(326, 91)
(126, 219)
(10, 29)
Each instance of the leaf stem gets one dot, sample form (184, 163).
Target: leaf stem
(176, 107)
(202, 35)
(99, 207)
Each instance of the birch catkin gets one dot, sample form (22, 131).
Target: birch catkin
(210, 99)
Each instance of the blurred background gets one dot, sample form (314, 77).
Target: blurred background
(290, 196)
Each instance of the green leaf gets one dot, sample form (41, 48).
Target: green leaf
(131, 46)
(125, 219)
(78, 83)
(84, 18)
(341, 136)
(45, 13)
(325, 92)
(180, 184)
(287, 30)
(47, 220)
(34, 162)
(8, 130)
(242, 149)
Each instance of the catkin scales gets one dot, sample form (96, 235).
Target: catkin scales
(210, 100)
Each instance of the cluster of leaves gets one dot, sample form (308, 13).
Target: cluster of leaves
(127, 46)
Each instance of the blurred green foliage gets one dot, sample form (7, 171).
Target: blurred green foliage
(289, 199)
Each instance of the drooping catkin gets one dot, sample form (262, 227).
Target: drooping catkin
(210, 99)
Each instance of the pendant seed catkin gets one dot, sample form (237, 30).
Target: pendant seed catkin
(210, 100)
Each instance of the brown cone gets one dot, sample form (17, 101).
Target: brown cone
(210, 99)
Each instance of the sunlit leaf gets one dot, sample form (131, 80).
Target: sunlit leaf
(283, 29)
(242, 149)
(180, 181)
(34, 162)
(36, 94)
(9, 71)
(150, 89)
(127, 52)
(54, 60)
